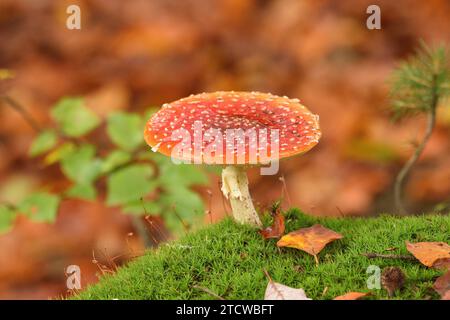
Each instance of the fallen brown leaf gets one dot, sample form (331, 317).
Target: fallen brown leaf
(278, 291)
(431, 254)
(351, 296)
(442, 286)
(311, 240)
(392, 279)
(276, 230)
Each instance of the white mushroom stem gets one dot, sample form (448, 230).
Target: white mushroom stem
(235, 188)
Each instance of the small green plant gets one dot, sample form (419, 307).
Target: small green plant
(138, 180)
(419, 85)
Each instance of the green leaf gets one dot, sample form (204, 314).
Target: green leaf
(7, 216)
(126, 130)
(175, 181)
(74, 118)
(130, 184)
(142, 207)
(188, 207)
(175, 175)
(185, 175)
(82, 191)
(40, 206)
(59, 153)
(115, 159)
(80, 165)
(43, 143)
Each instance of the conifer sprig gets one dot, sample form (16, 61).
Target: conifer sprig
(418, 86)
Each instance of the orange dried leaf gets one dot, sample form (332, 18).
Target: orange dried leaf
(311, 240)
(276, 230)
(431, 254)
(351, 296)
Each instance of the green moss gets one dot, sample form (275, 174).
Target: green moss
(229, 260)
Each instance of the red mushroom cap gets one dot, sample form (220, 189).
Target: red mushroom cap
(215, 114)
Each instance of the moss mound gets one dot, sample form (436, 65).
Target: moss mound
(229, 260)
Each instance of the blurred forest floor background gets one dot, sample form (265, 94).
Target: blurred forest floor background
(130, 55)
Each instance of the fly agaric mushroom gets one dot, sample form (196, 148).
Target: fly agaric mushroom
(206, 126)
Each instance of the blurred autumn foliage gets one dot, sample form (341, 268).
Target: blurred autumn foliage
(130, 55)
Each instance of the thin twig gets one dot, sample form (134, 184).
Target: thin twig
(183, 223)
(153, 226)
(104, 269)
(284, 189)
(209, 211)
(141, 228)
(316, 259)
(267, 275)
(150, 222)
(215, 295)
(372, 255)
(112, 264)
(272, 283)
(22, 111)
(340, 212)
